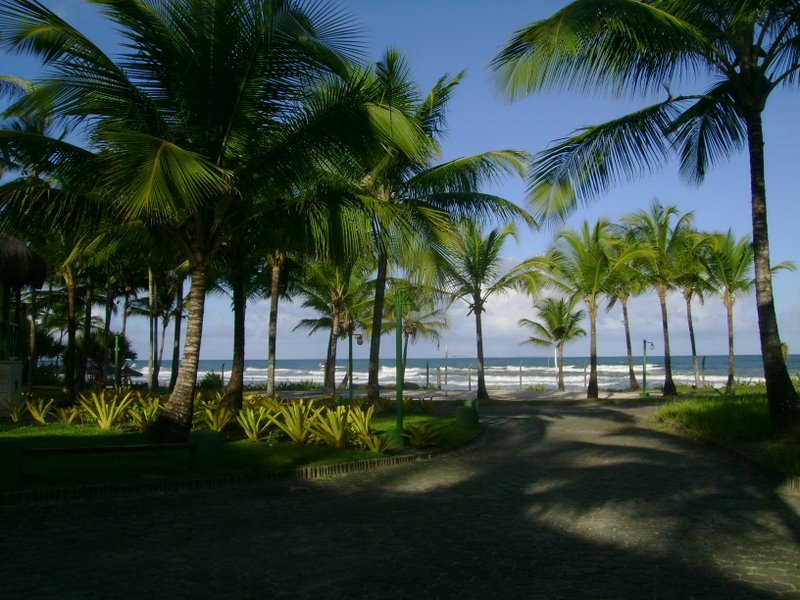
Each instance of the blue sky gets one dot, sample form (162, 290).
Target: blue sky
(447, 36)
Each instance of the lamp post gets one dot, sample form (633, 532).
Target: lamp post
(359, 341)
(644, 367)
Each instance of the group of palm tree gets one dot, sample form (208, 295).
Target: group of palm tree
(244, 141)
(655, 250)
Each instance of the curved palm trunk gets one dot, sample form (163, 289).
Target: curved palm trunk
(560, 354)
(329, 387)
(373, 388)
(176, 340)
(784, 404)
(730, 386)
(592, 391)
(175, 421)
(235, 387)
(482, 394)
(632, 383)
(276, 263)
(695, 365)
(669, 384)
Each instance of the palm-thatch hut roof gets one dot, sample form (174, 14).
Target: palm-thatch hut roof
(19, 265)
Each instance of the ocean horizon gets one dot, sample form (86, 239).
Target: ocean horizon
(503, 373)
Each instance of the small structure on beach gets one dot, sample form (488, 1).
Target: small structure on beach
(19, 267)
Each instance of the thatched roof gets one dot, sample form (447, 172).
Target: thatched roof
(19, 265)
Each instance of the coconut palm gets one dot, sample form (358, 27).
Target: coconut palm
(211, 103)
(581, 264)
(661, 233)
(747, 48)
(472, 271)
(559, 325)
(411, 197)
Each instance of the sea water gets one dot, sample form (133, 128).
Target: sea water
(510, 373)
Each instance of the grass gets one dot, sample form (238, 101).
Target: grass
(239, 457)
(741, 423)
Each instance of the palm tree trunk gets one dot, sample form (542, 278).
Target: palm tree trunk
(83, 367)
(276, 264)
(560, 351)
(784, 404)
(235, 387)
(730, 387)
(626, 324)
(373, 389)
(33, 358)
(72, 326)
(329, 387)
(695, 365)
(152, 380)
(482, 394)
(669, 384)
(592, 391)
(175, 421)
(176, 339)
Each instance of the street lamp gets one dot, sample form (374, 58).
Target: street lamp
(359, 341)
(644, 366)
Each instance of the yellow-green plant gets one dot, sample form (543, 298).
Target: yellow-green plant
(294, 420)
(427, 405)
(359, 402)
(255, 421)
(376, 443)
(408, 404)
(386, 404)
(39, 408)
(421, 436)
(66, 415)
(105, 411)
(145, 411)
(216, 417)
(15, 410)
(331, 426)
(361, 421)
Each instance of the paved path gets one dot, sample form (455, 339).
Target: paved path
(551, 502)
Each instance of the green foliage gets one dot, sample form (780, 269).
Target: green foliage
(421, 436)
(743, 418)
(216, 418)
(426, 405)
(377, 443)
(294, 420)
(66, 415)
(297, 386)
(211, 382)
(331, 426)
(145, 411)
(39, 408)
(106, 411)
(15, 409)
(255, 421)
(360, 421)
(408, 404)
(386, 404)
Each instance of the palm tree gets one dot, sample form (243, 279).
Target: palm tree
(422, 315)
(212, 103)
(661, 232)
(581, 265)
(747, 48)
(729, 264)
(471, 268)
(559, 325)
(691, 281)
(411, 197)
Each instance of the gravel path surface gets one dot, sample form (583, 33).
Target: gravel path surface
(551, 501)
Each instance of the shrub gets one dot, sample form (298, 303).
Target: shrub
(421, 436)
(331, 426)
(294, 419)
(376, 443)
(360, 421)
(427, 405)
(215, 417)
(104, 411)
(211, 382)
(39, 408)
(15, 410)
(145, 411)
(255, 421)
(66, 415)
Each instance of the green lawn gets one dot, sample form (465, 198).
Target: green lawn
(238, 456)
(740, 423)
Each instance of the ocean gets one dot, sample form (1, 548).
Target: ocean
(509, 373)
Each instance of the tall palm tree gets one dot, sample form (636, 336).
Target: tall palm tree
(413, 196)
(472, 271)
(747, 48)
(624, 282)
(210, 103)
(661, 232)
(559, 325)
(581, 264)
(692, 283)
